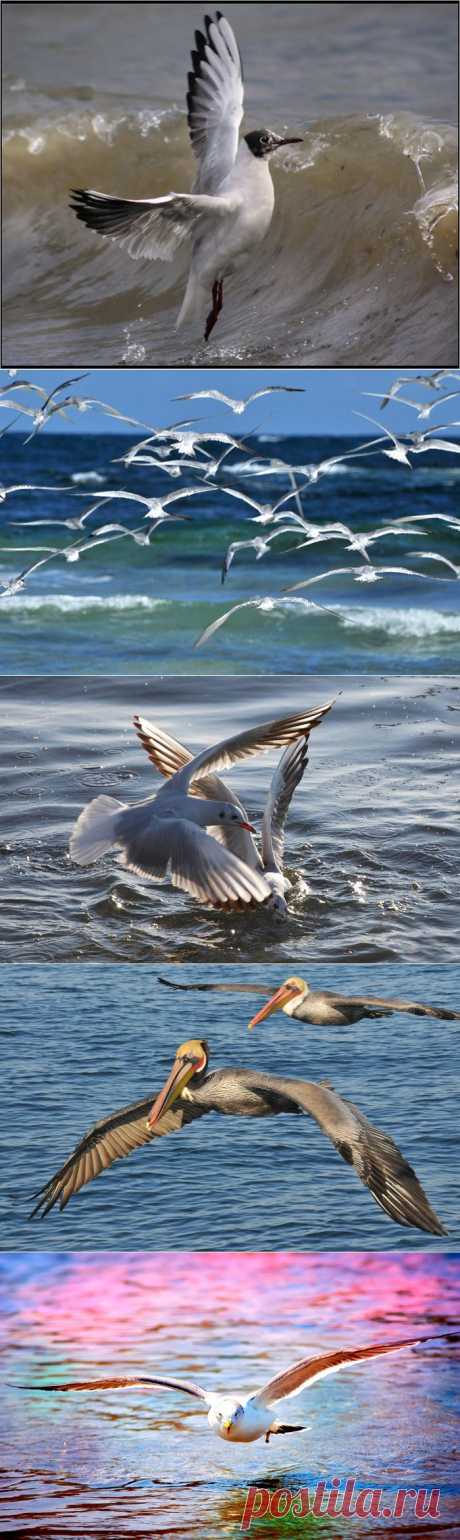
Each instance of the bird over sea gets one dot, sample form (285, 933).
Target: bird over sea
(230, 208)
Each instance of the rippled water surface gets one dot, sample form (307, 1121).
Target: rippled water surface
(372, 839)
(80, 1042)
(102, 1465)
(360, 262)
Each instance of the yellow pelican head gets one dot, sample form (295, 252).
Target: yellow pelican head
(191, 1060)
(286, 999)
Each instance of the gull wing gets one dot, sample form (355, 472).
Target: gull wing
(182, 852)
(169, 756)
(148, 227)
(215, 102)
(108, 1140)
(411, 1006)
(283, 784)
(292, 1381)
(254, 740)
(136, 1382)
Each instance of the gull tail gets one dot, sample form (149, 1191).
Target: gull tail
(95, 830)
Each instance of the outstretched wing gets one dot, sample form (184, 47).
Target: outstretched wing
(374, 1155)
(108, 1140)
(182, 852)
(214, 102)
(411, 1006)
(254, 740)
(147, 227)
(308, 1369)
(134, 1382)
(169, 756)
(283, 784)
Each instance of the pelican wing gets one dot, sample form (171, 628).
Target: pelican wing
(411, 1006)
(147, 227)
(292, 1381)
(283, 784)
(177, 849)
(242, 989)
(374, 1155)
(215, 102)
(169, 756)
(136, 1382)
(254, 740)
(108, 1140)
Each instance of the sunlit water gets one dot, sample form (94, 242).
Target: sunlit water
(127, 608)
(80, 1042)
(124, 1464)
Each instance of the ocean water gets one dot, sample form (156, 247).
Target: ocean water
(372, 844)
(359, 265)
(79, 1042)
(125, 609)
(102, 1464)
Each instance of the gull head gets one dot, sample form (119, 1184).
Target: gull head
(225, 1417)
(262, 142)
(228, 813)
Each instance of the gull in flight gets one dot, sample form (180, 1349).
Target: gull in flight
(320, 1007)
(31, 487)
(435, 556)
(164, 836)
(399, 451)
(16, 584)
(237, 1418)
(230, 208)
(265, 511)
(422, 410)
(356, 540)
(238, 407)
(265, 604)
(168, 756)
(191, 1092)
(369, 574)
(257, 544)
(432, 381)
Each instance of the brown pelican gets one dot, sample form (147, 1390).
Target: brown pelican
(190, 1092)
(322, 1007)
(241, 1419)
(165, 836)
(169, 756)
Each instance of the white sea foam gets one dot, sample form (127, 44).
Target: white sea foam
(402, 623)
(88, 478)
(81, 603)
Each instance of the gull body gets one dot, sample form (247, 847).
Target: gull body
(244, 1418)
(168, 756)
(191, 1092)
(230, 208)
(164, 836)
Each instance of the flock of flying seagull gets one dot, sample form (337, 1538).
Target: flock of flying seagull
(186, 448)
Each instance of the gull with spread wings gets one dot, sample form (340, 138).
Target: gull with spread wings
(241, 1419)
(230, 208)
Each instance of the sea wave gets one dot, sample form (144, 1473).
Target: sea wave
(414, 622)
(357, 267)
(72, 604)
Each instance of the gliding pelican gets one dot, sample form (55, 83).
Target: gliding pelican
(190, 1092)
(322, 1007)
(243, 1419)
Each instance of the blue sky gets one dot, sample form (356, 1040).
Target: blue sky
(147, 394)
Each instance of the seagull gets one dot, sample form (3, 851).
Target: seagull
(265, 511)
(164, 836)
(357, 540)
(266, 605)
(15, 584)
(369, 574)
(230, 208)
(22, 385)
(82, 404)
(241, 1419)
(436, 443)
(422, 410)
(239, 406)
(185, 440)
(257, 544)
(168, 756)
(432, 381)
(76, 521)
(31, 487)
(399, 451)
(435, 556)
(191, 1092)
